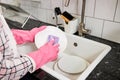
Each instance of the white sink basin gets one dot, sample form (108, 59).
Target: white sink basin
(91, 51)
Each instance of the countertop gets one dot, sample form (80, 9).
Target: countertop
(107, 69)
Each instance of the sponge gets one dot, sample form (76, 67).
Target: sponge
(55, 38)
(67, 15)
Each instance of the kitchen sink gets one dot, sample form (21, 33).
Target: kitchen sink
(91, 51)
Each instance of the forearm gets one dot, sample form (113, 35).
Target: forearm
(15, 68)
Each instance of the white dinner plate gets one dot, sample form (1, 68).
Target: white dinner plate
(42, 37)
(70, 76)
(72, 64)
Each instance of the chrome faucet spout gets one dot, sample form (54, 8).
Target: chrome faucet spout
(81, 29)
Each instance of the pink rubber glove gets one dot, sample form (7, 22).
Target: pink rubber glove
(44, 54)
(23, 36)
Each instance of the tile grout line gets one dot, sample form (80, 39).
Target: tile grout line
(115, 11)
(102, 28)
(94, 8)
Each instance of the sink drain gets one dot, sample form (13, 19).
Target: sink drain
(75, 44)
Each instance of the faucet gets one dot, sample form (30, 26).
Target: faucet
(67, 3)
(81, 28)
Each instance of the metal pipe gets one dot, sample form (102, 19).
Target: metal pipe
(67, 3)
(81, 29)
(83, 11)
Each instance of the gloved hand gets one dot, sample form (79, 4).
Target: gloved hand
(23, 36)
(44, 54)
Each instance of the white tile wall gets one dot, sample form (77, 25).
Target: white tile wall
(89, 8)
(111, 31)
(25, 3)
(117, 17)
(42, 15)
(72, 8)
(57, 3)
(12, 2)
(95, 25)
(35, 0)
(34, 11)
(36, 4)
(79, 6)
(49, 17)
(46, 4)
(105, 9)
(102, 16)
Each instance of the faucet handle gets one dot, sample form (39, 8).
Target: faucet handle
(82, 30)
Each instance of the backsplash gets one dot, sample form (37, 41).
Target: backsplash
(102, 17)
